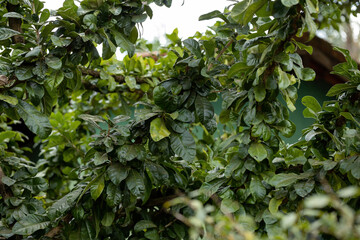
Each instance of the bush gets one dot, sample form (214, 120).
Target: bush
(96, 148)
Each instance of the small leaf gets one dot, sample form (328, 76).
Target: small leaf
(108, 219)
(139, 18)
(30, 224)
(257, 188)
(135, 183)
(9, 99)
(37, 122)
(63, 204)
(238, 68)
(308, 74)
(203, 109)
(283, 179)
(311, 25)
(117, 172)
(124, 43)
(229, 206)
(53, 62)
(6, 33)
(213, 14)
(193, 46)
(23, 73)
(113, 195)
(339, 88)
(304, 188)
(183, 145)
(257, 151)
(158, 129)
(289, 3)
(97, 187)
(143, 225)
(274, 205)
(312, 104)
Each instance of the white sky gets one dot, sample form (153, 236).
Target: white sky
(165, 20)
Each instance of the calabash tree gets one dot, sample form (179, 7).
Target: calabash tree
(96, 148)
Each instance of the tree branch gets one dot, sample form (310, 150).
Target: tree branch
(118, 78)
(221, 53)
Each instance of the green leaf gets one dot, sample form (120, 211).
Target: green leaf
(283, 179)
(139, 18)
(34, 185)
(45, 14)
(108, 219)
(184, 115)
(239, 9)
(131, 82)
(312, 104)
(229, 206)
(130, 152)
(30, 224)
(9, 99)
(53, 62)
(153, 234)
(158, 129)
(60, 42)
(302, 46)
(183, 145)
(117, 172)
(54, 80)
(311, 25)
(284, 80)
(213, 14)
(97, 187)
(23, 73)
(124, 43)
(90, 20)
(143, 225)
(257, 151)
(308, 74)
(6, 33)
(274, 205)
(339, 88)
(346, 115)
(238, 68)
(34, 53)
(37, 122)
(257, 188)
(304, 188)
(135, 183)
(203, 109)
(113, 195)
(260, 93)
(13, 15)
(289, 3)
(164, 99)
(251, 10)
(193, 46)
(63, 204)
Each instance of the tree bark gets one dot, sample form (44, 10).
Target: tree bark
(15, 23)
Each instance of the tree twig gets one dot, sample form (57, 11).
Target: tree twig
(221, 53)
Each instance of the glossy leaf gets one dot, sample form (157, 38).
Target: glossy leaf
(37, 122)
(183, 145)
(158, 129)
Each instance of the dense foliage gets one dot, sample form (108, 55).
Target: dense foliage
(96, 148)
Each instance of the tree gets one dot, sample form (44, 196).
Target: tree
(96, 148)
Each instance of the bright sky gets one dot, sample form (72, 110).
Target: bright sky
(165, 20)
